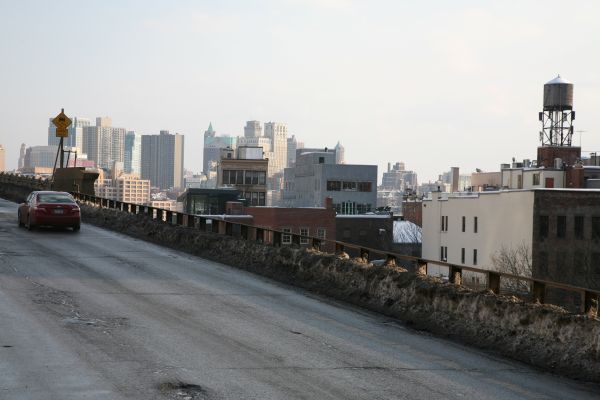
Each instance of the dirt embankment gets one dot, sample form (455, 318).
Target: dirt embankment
(542, 335)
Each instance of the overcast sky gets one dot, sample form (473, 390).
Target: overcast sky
(433, 84)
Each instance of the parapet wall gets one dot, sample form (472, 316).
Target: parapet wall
(542, 335)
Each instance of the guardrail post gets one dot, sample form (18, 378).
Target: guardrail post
(339, 248)
(539, 292)
(589, 303)
(316, 244)
(215, 225)
(169, 217)
(455, 275)
(191, 221)
(276, 239)
(228, 228)
(295, 239)
(260, 235)
(244, 231)
(390, 260)
(202, 224)
(493, 281)
(364, 253)
(150, 212)
(179, 218)
(421, 268)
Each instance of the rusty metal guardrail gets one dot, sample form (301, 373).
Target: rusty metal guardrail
(216, 224)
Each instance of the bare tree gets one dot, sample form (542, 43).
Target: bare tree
(515, 260)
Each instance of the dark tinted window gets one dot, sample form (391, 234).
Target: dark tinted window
(54, 198)
(578, 227)
(543, 226)
(595, 227)
(561, 226)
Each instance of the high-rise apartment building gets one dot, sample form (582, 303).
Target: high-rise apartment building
(75, 138)
(104, 143)
(132, 163)
(212, 147)
(398, 178)
(162, 160)
(40, 156)
(2, 159)
(124, 187)
(293, 144)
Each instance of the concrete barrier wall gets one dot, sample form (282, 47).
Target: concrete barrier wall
(542, 335)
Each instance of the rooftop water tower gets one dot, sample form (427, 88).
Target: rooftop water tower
(558, 115)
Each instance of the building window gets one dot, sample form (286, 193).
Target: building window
(364, 186)
(475, 224)
(362, 232)
(346, 234)
(464, 223)
(321, 233)
(561, 226)
(286, 239)
(321, 160)
(543, 264)
(474, 256)
(596, 228)
(444, 223)
(334, 186)
(462, 255)
(578, 227)
(444, 253)
(543, 226)
(536, 179)
(304, 232)
(349, 186)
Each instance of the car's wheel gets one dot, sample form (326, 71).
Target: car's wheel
(76, 228)
(19, 219)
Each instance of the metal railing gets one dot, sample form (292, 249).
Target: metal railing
(216, 224)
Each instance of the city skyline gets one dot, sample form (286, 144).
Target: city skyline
(454, 85)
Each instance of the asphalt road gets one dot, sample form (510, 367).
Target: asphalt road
(98, 315)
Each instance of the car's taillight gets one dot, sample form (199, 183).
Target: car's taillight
(75, 209)
(39, 209)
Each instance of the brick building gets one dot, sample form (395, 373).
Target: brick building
(310, 221)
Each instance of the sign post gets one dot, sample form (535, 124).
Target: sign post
(62, 122)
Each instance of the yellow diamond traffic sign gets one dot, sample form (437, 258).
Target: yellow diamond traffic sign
(62, 122)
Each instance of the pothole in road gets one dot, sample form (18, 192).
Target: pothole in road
(186, 391)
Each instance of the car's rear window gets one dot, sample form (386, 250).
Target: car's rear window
(54, 198)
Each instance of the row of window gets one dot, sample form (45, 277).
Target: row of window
(353, 186)
(584, 262)
(304, 231)
(444, 224)
(351, 208)
(243, 177)
(561, 227)
(463, 255)
(255, 198)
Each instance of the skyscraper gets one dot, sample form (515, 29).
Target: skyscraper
(2, 159)
(212, 147)
(75, 138)
(133, 153)
(292, 145)
(253, 129)
(104, 143)
(340, 154)
(22, 156)
(277, 133)
(162, 160)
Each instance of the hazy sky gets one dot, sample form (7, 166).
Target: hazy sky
(433, 84)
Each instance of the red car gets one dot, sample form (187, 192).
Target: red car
(45, 208)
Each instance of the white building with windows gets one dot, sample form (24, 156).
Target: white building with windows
(468, 228)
